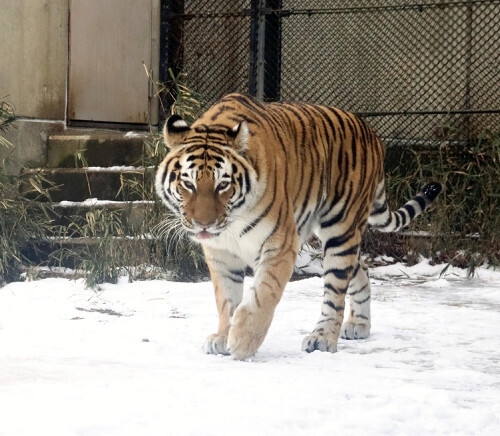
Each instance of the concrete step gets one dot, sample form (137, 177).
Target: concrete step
(131, 214)
(72, 233)
(103, 183)
(98, 148)
(94, 170)
(146, 251)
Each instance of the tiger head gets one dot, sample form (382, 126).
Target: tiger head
(206, 179)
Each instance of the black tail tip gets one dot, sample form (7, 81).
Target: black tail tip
(432, 190)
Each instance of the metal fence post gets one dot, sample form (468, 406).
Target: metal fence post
(172, 46)
(272, 52)
(265, 49)
(256, 49)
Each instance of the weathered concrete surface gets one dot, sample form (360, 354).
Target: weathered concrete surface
(99, 148)
(40, 144)
(80, 184)
(29, 139)
(33, 56)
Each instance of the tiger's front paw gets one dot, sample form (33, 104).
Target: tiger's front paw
(246, 334)
(319, 341)
(216, 344)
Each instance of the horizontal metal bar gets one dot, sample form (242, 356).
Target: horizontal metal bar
(189, 16)
(350, 9)
(331, 11)
(450, 112)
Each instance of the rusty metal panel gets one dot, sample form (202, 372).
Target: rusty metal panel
(109, 42)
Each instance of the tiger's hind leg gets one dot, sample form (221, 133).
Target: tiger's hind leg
(339, 263)
(358, 324)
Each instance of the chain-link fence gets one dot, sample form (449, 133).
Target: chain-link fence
(208, 41)
(420, 71)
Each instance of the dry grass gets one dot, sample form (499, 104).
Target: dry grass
(464, 223)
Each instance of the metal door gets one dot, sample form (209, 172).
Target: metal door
(110, 44)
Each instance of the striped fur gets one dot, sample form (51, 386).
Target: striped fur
(251, 181)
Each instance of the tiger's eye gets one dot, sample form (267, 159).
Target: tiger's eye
(188, 185)
(222, 186)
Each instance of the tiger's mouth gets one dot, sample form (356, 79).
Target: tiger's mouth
(199, 233)
(204, 235)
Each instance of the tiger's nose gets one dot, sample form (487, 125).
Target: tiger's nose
(205, 224)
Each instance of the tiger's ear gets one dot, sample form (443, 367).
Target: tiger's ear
(175, 131)
(239, 136)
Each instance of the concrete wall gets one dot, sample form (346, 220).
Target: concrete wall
(29, 137)
(33, 68)
(33, 56)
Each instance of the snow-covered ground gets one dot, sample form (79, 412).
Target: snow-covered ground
(128, 361)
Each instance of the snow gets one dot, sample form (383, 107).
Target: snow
(117, 169)
(127, 360)
(133, 134)
(95, 202)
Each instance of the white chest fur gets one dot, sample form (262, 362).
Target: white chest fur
(246, 246)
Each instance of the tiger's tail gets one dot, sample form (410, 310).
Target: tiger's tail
(384, 220)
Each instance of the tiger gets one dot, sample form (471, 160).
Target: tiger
(252, 181)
